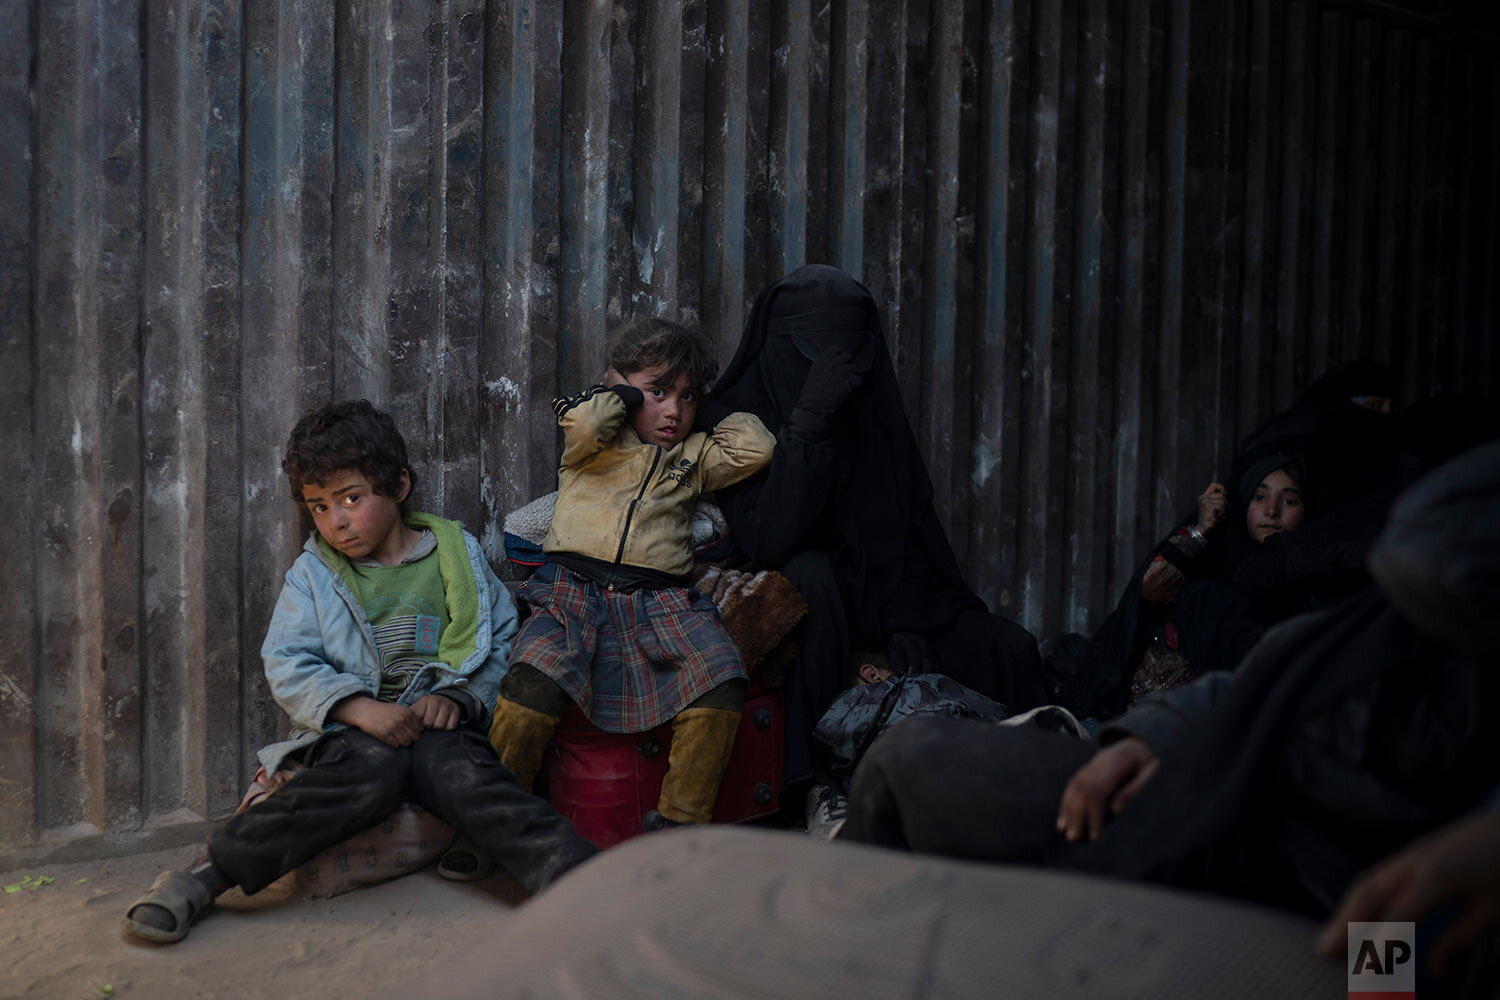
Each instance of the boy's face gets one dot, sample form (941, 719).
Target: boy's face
(666, 416)
(356, 520)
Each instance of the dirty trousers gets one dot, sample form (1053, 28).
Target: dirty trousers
(351, 781)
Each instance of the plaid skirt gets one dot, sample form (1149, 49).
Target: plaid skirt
(629, 661)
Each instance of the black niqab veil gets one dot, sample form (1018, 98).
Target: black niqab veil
(872, 511)
(1349, 450)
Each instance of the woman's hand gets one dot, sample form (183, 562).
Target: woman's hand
(1459, 862)
(1161, 583)
(1110, 779)
(1212, 504)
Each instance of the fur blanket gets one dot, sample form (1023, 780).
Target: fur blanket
(760, 611)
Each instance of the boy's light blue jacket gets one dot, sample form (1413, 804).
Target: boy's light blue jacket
(320, 647)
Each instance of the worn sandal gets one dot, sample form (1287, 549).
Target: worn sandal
(178, 893)
(463, 862)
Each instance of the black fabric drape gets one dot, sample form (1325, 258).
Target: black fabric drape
(857, 492)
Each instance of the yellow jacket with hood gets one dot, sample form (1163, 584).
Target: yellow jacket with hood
(629, 503)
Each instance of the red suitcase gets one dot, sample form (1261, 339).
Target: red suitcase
(605, 783)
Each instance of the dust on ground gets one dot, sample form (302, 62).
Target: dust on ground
(62, 938)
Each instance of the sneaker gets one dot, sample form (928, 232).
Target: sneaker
(826, 809)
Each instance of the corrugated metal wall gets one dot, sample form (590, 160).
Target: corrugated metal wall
(1108, 237)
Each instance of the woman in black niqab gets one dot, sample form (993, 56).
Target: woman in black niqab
(845, 508)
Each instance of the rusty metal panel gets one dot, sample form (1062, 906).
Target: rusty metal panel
(992, 488)
(658, 193)
(18, 534)
(725, 171)
(522, 266)
(66, 453)
(1108, 238)
(286, 356)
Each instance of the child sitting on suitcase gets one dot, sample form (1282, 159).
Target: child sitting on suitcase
(615, 628)
(386, 647)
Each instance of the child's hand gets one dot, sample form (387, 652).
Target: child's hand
(1211, 507)
(1110, 779)
(437, 712)
(613, 378)
(392, 724)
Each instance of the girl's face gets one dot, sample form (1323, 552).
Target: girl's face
(1275, 505)
(671, 405)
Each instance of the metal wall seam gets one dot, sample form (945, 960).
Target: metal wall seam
(1354, 296)
(69, 730)
(885, 141)
(586, 93)
(940, 406)
(992, 482)
(1460, 208)
(1087, 534)
(1408, 350)
(1289, 351)
(658, 151)
(848, 89)
(1132, 451)
(19, 429)
(1171, 456)
(223, 762)
(725, 121)
(286, 302)
(1038, 571)
(1487, 378)
(173, 416)
(362, 190)
(1395, 144)
(1331, 148)
(1436, 318)
(121, 466)
(787, 142)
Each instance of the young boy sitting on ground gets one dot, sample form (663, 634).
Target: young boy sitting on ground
(616, 629)
(386, 648)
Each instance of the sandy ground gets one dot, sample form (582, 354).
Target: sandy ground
(63, 939)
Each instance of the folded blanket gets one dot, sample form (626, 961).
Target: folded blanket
(759, 611)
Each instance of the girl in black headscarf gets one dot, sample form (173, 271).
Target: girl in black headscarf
(845, 509)
(1220, 597)
(1182, 595)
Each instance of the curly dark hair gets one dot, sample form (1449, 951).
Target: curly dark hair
(652, 341)
(348, 435)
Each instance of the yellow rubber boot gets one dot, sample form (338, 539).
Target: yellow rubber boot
(702, 739)
(520, 736)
